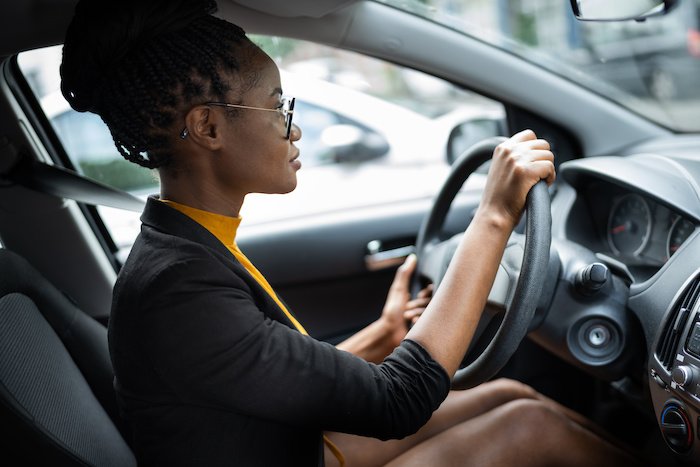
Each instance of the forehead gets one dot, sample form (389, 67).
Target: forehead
(268, 75)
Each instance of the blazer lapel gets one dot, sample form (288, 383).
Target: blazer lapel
(162, 217)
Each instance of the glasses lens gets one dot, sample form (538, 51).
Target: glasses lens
(289, 106)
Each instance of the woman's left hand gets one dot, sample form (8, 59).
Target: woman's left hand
(380, 338)
(399, 310)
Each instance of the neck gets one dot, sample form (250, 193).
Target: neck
(201, 194)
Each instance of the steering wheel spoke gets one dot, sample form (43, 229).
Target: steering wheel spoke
(435, 259)
(501, 294)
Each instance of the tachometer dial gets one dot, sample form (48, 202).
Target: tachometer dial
(680, 231)
(629, 225)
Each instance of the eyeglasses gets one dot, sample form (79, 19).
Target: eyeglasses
(286, 109)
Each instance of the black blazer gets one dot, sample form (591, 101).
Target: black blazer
(209, 371)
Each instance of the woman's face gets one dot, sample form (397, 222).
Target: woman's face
(256, 155)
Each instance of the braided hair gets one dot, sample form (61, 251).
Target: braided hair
(138, 64)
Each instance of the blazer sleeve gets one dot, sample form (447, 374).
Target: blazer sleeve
(209, 342)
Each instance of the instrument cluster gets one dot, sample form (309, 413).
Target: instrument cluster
(638, 231)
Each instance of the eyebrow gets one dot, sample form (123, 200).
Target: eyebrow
(276, 91)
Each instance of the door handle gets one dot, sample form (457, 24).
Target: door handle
(377, 258)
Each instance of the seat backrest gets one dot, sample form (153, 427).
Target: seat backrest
(57, 402)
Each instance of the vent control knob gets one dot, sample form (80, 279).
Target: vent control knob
(676, 428)
(682, 375)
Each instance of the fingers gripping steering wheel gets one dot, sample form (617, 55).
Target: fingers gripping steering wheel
(434, 255)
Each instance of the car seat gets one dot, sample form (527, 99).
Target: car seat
(57, 402)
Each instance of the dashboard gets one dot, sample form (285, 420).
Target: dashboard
(637, 215)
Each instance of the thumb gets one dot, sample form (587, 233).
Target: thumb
(403, 274)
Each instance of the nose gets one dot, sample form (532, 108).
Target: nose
(295, 133)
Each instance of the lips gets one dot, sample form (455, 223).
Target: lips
(295, 162)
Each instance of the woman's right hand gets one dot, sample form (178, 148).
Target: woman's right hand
(518, 163)
(448, 323)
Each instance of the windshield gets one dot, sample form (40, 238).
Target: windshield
(650, 67)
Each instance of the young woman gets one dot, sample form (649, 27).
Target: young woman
(211, 367)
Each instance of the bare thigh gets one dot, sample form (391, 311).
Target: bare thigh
(521, 432)
(451, 424)
(458, 407)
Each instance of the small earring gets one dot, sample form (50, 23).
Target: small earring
(184, 133)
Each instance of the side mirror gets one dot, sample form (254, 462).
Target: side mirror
(620, 10)
(466, 134)
(349, 143)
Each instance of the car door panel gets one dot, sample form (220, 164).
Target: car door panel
(318, 265)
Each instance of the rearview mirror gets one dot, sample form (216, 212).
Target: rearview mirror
(620, 10)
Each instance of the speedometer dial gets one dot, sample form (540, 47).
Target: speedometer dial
(629, 225)
(680, 231)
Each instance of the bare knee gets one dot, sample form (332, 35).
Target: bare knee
(529, 421)
(510, 389)
(518, 432)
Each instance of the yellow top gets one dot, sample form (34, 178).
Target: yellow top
(225, 228)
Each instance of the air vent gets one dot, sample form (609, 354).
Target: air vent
(676, 322)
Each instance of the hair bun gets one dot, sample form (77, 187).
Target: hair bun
(103, 32)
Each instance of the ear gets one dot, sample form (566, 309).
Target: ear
(204, 127)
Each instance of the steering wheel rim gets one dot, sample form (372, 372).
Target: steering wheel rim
(533, 271)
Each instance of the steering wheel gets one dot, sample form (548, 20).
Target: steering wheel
(517, 286)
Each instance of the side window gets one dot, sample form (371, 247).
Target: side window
(314, 119)
(89, 144)
(84, 136)
(373, 133)
(331, 138)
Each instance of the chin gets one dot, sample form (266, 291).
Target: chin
(291, 184)
(282, 188)
(289, 188)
